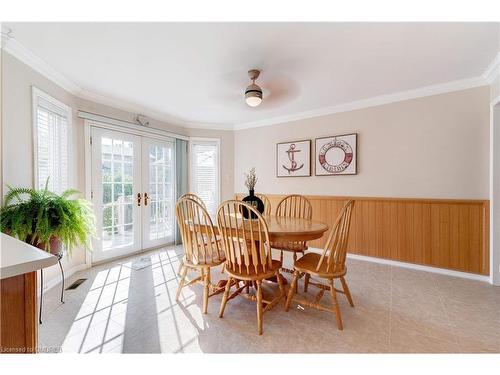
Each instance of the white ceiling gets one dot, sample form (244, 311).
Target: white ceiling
(197, 72)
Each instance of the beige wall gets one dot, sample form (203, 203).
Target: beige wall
(17, 136)
(433, 147)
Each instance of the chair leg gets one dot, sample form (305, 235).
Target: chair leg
(347, 291)
(223, 268)
(294, 260)
(291, 291)
(306, 282)
(225, 297)
(247, 289)
(206, 285)
(259, 307)
(281, 285)
(181, 282)
(336, 307)
(181, 264)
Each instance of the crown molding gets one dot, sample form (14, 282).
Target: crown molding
(16, 49)
(20, 52)
(493, 70)
(370, 102)
(152, 114)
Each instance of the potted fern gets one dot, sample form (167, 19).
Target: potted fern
(47, 220)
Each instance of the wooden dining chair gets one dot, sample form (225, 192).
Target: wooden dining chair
(201, 249)
(195, 198)
(328, 265)
(248, 255)
(296, 206)
(198, 200)
(267, 203)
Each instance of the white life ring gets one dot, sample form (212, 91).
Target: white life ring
(342, 166)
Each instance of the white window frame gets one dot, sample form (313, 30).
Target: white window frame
(65, 111)
(201, 140)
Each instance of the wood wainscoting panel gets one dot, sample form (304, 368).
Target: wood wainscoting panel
(444, 233)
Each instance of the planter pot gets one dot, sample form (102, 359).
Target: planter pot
(255, 202)
(56, 246)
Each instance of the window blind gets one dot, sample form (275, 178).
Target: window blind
(205, 173)
(52, 145)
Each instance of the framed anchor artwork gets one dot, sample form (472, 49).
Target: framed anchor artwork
(336, 155)
(293, 159)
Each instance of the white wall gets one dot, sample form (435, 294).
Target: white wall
(17, 139)
(495, 195)
(432, 147)
(495, 88)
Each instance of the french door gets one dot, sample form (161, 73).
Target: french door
(133, 192)
(158, 178)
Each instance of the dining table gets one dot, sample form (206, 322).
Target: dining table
(289, 229)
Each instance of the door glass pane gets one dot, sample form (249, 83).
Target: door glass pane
(117, 196)
(161, 192)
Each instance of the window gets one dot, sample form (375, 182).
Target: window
(205, 172)
(51, 125)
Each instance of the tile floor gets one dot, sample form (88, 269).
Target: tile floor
(396, 310)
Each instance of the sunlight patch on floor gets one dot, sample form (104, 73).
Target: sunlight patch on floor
(178, 325)
(93, 329)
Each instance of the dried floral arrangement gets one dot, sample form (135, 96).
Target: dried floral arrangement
(251, 179)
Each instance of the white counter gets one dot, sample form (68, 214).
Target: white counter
(17, 257)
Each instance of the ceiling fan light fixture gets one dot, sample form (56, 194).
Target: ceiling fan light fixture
(253, 93)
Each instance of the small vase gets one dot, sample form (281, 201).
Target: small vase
(255, 202)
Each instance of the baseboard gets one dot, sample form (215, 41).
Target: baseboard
(56, 280)
(418, 267)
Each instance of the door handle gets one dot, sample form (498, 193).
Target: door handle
(138, 199)
(146, 197)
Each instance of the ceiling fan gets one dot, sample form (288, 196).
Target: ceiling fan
(253, 93)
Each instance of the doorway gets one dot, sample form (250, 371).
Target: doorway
(133, 192)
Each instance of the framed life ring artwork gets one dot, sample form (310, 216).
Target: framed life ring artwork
(293, 159)
(336, 155)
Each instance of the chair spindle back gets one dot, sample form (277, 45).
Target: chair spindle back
(267, 203)
(246, 241)
(334, 253)
(195, 198)
(197, 231)
(294, 205)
